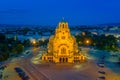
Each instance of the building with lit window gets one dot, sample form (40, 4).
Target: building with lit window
(62, 47)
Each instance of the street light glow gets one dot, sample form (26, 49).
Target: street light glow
(34, 42)
(87, 41)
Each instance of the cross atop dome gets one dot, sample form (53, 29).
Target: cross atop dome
(63, 20)
(63, 24)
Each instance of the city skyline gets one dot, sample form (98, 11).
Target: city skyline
(51, 12)
(61, 53)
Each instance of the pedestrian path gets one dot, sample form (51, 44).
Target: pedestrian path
(9, 73)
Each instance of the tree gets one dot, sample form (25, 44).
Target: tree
(4, 55)
(2, 38)
(81, 39)
(19, 48)
(119, 59)
(43, 43)
(26, 43)
(14, 50)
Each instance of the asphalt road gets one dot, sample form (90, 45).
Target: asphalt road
(83, 71)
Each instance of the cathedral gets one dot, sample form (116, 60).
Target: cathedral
(62, 47)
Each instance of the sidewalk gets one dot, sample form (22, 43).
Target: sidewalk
(9, 73)
(111, 75)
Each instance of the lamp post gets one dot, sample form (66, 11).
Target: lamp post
(87, 42)
(34, 43)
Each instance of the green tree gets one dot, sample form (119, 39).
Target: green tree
(16, 49)
(4, 55)
(19, 48)
(26, 43)
(2, 38)
(119, 59)
(106, 42)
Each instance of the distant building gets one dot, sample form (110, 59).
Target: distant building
(30, 33)
(114, 33)
(46, 34)
(114, 28)
(118, 42)
(96, 32)
(8, 36)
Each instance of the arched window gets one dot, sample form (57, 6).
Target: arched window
(63, 25)
(63, 37)
(63, 51)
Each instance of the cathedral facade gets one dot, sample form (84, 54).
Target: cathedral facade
(62, 47)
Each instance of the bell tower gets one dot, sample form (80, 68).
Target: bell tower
(62, 31)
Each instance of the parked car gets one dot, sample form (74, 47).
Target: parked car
(102, 72)
(101, 78)
(101, 65)
(25, 77)
(22, 74)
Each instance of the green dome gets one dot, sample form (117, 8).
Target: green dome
(63, 21)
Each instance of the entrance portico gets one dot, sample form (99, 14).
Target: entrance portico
(63, 59)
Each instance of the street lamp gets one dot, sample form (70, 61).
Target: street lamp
(87, 41)
(80, 42)
(34, 42)
(83, 33)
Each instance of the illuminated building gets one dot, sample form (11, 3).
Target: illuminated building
(62, 47)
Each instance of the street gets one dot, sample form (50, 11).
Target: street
(50, 71)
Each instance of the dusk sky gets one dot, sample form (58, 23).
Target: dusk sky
(50, 12)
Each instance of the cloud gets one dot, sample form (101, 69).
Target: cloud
(14, 11)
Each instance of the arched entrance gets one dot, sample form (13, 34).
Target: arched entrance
(63, 60)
